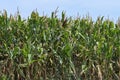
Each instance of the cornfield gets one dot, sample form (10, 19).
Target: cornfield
(52, 48)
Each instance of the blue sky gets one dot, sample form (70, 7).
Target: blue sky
(95, 8)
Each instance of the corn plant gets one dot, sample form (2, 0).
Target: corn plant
(43, 48)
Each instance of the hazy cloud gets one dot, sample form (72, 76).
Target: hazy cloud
(72, 7)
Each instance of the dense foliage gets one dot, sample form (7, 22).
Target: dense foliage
(52, 48)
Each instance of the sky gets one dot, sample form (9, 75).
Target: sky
(108, 8)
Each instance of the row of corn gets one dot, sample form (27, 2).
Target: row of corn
(52, 48)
